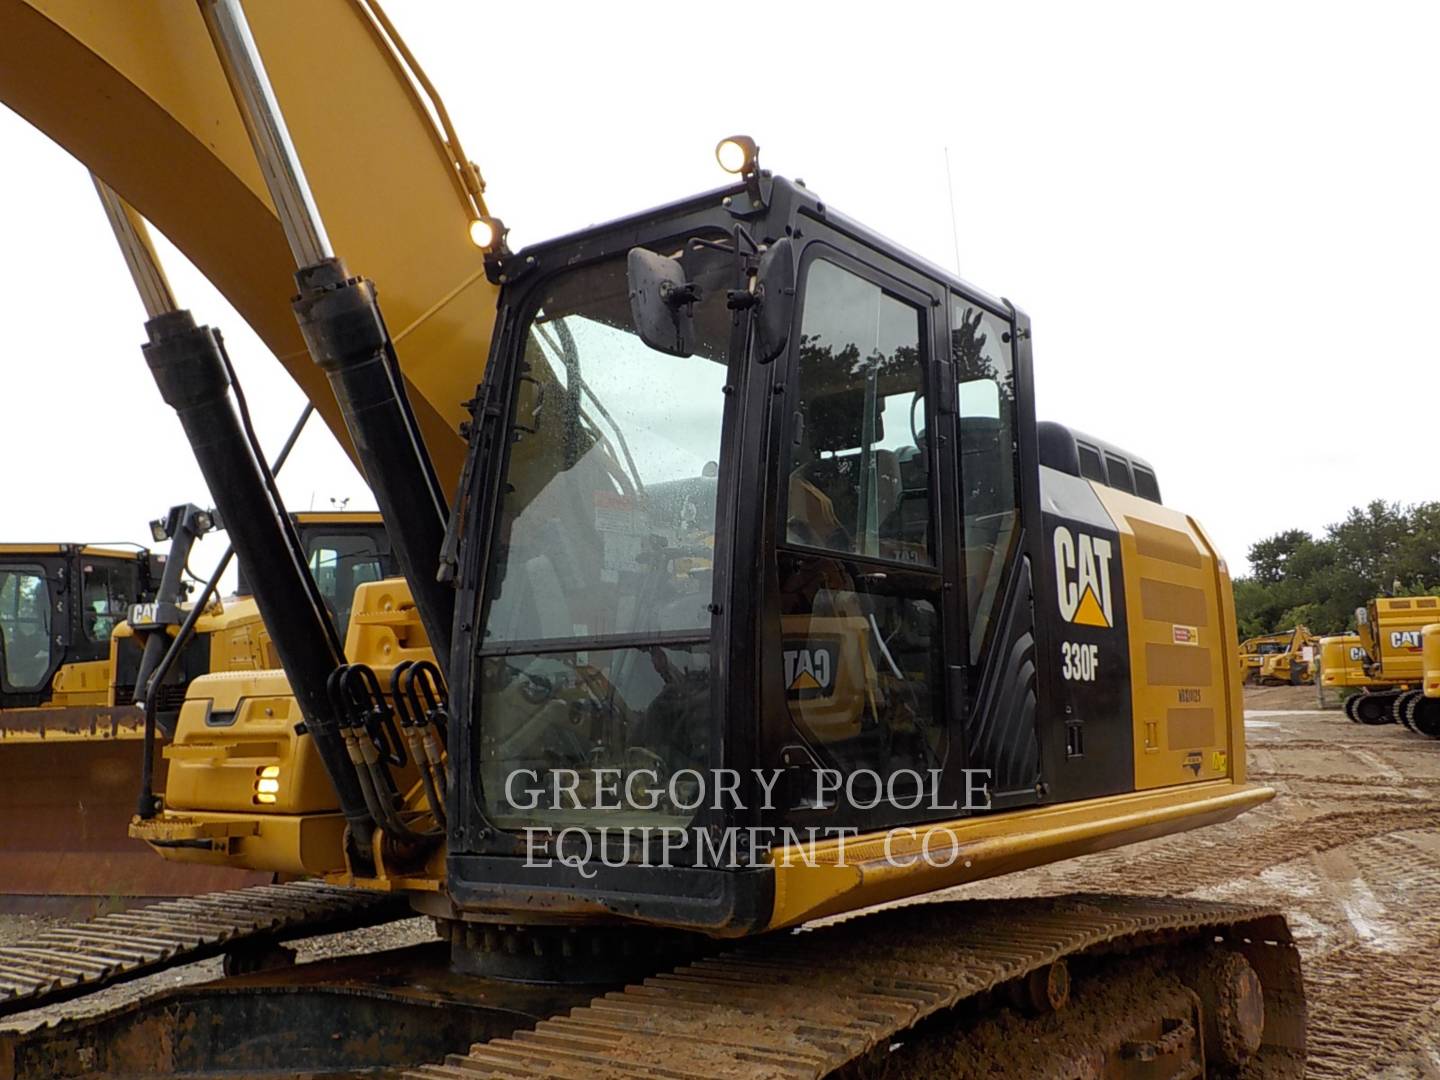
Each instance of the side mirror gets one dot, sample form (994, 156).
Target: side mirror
(662, 302)
(776, 286)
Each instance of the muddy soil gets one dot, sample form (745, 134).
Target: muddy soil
(1348, 850)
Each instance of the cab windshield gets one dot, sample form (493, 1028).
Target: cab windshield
(595, 651)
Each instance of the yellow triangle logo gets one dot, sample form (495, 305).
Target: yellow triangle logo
(805, 681)
(1089, 613)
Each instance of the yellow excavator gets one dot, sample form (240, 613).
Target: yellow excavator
(74, 625)
(1390, 629)
(1340, 669)
(1254, 651)
(739, 587)
(1421, 709)
(1294, 665)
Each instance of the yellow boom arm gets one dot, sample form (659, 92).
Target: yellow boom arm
(134, 91)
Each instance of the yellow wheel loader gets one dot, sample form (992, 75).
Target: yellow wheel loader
(763, 597)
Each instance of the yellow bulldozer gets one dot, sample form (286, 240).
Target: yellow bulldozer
(1291, 665)
(763, 597)
(1255, 650)
(1285, 658)
(74, 624)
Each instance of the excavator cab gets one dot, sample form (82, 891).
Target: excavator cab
(714, 588)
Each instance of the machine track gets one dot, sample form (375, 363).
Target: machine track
(68, 961)
(814, 1002)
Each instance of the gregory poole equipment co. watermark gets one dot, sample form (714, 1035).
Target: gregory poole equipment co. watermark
(605, 791)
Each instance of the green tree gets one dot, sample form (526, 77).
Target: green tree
(1379, 549)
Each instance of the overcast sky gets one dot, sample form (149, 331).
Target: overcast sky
(1223, 221)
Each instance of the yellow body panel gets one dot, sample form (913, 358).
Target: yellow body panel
(1183, 667)
(238, 728)
(832, 877)
(103, 79)
(385, 628)
(1391, 633)
(1430, 659)
(300, 844)
(231, 727)
(84, 683)
(1341, 659)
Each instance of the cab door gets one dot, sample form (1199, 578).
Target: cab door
(865, 618)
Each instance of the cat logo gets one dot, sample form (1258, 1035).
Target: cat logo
(1082, 579)
(809, 668)
(1405, 639)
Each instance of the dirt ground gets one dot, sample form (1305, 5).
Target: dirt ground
(1348, 850)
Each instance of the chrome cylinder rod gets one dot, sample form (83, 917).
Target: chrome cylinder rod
(259, 109)
(140, 257)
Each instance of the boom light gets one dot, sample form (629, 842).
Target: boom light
(482, 233)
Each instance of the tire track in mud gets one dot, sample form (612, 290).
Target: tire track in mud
(1200, 860)
(1370, 999)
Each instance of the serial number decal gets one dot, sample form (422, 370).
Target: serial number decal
(1080, 661)
(1188, 697)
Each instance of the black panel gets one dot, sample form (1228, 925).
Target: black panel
(735, 901)
(194, 662)
(1085, 709)
(1001, 731)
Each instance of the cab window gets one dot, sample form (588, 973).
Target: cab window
(24, 627)
(340, 565)
(859, 590)
(1091, 467)
(1119, 472)
(985, 371)
(858, 482)
(109, 590)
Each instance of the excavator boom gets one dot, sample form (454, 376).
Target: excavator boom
(104, 79)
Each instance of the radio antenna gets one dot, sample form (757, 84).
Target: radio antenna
(954, 227)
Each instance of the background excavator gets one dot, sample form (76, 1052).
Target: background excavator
(1255, 650)
(1421, 711)
(1390, 630)
(742, 492)
(74, 622)
(1340, 664)
(1294, 665)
